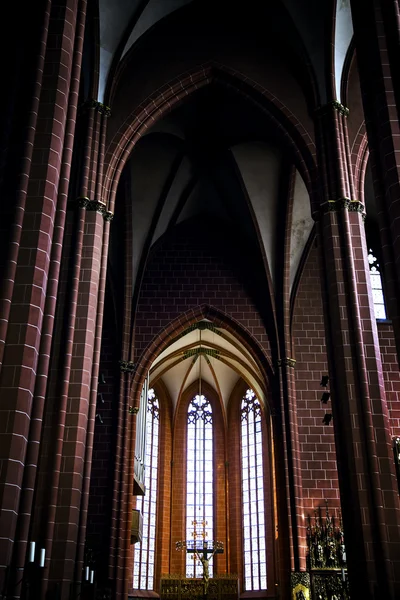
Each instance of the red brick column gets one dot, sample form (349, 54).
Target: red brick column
(292, 464)
(367, 481)
(59, 522)
(32, 453)
(377, 33)
(41, 189)
(125, 483)
(164, 485)
(22, 184)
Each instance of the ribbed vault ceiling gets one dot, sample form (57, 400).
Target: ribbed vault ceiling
(212, 355)
(217, 158)
(124, 22)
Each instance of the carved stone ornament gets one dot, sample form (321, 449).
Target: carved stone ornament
(95, 206)
(98, 106)
(300, 584)
(340, 108)
(289, 362)
(127, 366)
(346, 204)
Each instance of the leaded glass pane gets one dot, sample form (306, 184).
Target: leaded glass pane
(143, 565)
(199, 498)
(253, 489)
(376, 285)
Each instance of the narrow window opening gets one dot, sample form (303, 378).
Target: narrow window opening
(199, 477)
(376, 284)
(255, 564)
(143, 569)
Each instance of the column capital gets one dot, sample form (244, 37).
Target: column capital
(340, 108)
(127, 366)
(344, 204)
(288, 362)
(98, 106)
(95, 206)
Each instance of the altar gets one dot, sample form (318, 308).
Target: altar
(221, 587)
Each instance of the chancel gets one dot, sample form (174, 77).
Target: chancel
(200, 300)
(201, 549)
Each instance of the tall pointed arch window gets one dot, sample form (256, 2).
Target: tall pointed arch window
(255, 568)
(143, 570)
(376, 284)
(199, 476)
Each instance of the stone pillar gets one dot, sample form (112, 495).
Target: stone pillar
(28, 300)
(67, 440)
(294, 491)
(377, 33)
(369, 497)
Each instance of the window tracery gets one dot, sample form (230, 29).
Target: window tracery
(254, 545)
(143, 570)
(376, 284)
(199, 475)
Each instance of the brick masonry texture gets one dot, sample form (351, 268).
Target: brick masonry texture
(391, 374)
(318, 459)
(195, 268)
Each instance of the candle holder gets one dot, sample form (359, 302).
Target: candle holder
(30, 574)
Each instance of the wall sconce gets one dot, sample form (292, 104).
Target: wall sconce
(324, 380)
(32, 552)
(30, 575)
(325, 397)
(327, 418)
(88, 568)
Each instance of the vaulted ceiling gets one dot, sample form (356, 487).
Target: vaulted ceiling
(216, 156)
(123, 23)
(207, 354)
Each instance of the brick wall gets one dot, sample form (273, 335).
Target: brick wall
(318, 458)
(200, 266)
(391, 374)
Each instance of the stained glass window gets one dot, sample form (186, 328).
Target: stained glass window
(199, 477)
(255, 563)
(143, 569)
(376, 284)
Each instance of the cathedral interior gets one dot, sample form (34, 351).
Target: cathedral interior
(200, 300)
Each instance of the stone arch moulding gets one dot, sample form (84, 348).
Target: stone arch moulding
(165, 99)
(178, 326)
(360, 154)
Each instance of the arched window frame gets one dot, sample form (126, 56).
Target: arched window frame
(251, 439)
(376, 279)
(162, 550)
(200, 431)
(235, 491)
(374, 260)
(178, 510)
(145, 552)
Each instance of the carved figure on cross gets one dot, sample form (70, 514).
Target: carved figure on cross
(201, 549)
